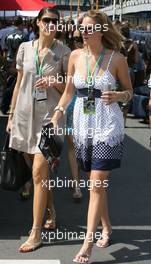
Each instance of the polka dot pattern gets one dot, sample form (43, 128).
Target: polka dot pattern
(98, 136)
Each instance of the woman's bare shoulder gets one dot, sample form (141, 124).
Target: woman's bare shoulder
(76, 53)
(118, 57)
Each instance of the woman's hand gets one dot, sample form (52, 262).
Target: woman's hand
(149, 103)
(55, 119)
(109, 97)
(42, 83)
(55, 122)
(9, 125)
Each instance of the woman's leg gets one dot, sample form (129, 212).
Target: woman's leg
(105, 221)
(72, 158)
(74, 167)
(50, 212)
(106, 225)
(50, 198)
(96, 205)
(26, 190)
(40, 177)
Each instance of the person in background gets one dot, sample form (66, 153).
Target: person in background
(147, 51)
(77, 194)
(8, 28)
(14, 39)
(125, 29)
(117, 24)
(149, 85)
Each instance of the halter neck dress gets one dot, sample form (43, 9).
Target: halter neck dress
(98, 138)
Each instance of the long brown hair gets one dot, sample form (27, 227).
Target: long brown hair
(111, 38)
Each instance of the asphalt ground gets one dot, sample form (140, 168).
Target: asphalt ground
(130, 211)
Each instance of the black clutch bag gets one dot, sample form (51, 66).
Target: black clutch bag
(14, 172)
(50, 144)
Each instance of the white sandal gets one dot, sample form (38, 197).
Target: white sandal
(30, 246)
(83, 255)
(104, 236)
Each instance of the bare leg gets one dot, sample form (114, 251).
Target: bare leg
(40, 173)
(96, 204)
(49, 198)
(106, 225)
(50, 212)
(77, 194)
(72, 159)
(105, 220)
(105, 215)
(26, 190)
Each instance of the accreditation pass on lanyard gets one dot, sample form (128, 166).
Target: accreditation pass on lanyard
(89, 103)
(40, 94)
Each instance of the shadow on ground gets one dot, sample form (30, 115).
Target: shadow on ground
(129, 202)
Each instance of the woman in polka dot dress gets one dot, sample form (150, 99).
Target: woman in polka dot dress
(98, 120)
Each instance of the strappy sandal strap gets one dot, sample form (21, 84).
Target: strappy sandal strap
(106, 235)
(83, 255)
(51, 218)
(33, 229)
(51, 212)
(30, 246)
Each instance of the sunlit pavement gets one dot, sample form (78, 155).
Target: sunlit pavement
(130, 211)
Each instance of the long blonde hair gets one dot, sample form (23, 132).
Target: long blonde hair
(111, 38)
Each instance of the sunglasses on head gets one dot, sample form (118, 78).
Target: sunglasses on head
(47, 20)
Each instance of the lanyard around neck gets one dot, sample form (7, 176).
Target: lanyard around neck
(39, 66)
(98, 62)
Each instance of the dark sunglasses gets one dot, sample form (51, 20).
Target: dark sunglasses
(89, 30)
(47, 20)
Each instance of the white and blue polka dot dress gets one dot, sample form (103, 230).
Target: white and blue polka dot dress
(98, 138)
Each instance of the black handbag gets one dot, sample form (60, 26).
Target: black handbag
(50, 143)
(14, 172)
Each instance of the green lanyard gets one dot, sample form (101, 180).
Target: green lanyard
(39, 67)
(94, 73)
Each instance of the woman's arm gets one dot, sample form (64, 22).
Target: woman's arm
(124, 77)
(15, 93)
(122, 74)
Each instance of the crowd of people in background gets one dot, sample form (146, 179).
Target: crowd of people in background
(136, 47)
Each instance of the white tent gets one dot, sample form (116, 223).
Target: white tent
(19, 13)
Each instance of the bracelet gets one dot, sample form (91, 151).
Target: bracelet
(128, 96)
(60, 108)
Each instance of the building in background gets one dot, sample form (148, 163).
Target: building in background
(138, 12)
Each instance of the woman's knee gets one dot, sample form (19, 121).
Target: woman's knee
(39, 173)
(96, 187)
(98, 182)
(39, 168)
